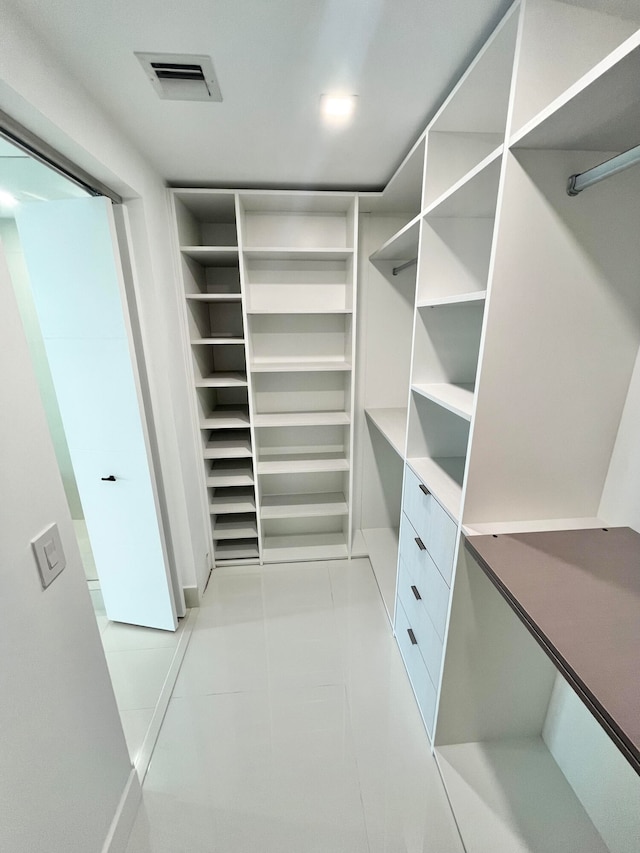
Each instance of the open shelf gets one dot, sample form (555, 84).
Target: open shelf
(214, 297)
(303, 506)
(212, 256)
(294, 310)
(235, 526)
(232, 500)
(457, 299)
(455, 398)
(228, 448)
(226, 418)
(293, 253)
(236, 550)
(291, 365)
(230, 379)
(475, 194)
(220, 340)
(510, 796)
(285, 419)
(301, 461)
(443, 476)
(305, 547)
(402, 246)
(230, 472)
(392, 424)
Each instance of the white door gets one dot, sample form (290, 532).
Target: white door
(73, 263)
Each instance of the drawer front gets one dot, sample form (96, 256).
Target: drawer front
(429, 643)
(432, 524)
(422, 685)
(424, 575)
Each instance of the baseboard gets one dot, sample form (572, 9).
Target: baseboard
(191, 596)
(124, 818)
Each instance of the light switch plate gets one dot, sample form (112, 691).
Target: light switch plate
(47, 547)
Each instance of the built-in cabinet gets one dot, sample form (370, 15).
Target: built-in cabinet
(270, 293)
(510, 405)
(488, 383)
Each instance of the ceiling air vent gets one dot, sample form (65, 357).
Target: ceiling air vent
(180, 77)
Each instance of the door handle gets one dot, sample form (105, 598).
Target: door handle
(416, 593)
(412, 637)
(109, 479)
(424, 489)
(420, 544)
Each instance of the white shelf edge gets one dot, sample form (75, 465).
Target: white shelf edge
(391, 423)
(326, 504)
(463, 181)
(216, 341)
(304, 547)
(299, 366)
(458, 299)
(381, 253)
(457, 399)
(280, 419)
(295, 312)
(213, 297)
(302, 466)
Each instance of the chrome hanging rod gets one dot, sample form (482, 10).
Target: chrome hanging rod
(410, 263)
(581, 181)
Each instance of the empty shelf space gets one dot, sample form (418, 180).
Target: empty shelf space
(305, 547)
(292, 253)
(303, 506)
(230, 472)
(212, 256)
(291, 365)
(401, 246)
(228, 448)
(392, 424)
(511, 797)
(234, 526)
(218, 340)
(455, 398)
(232, 500)
(474, 195)
(235, 550)
(214, 297)
(443, 476)
(458, 299)
(230, 379)
(302, 462)
(284, 419)
(226, 418)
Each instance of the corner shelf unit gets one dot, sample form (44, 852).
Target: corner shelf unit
(270, 294)
(515, 409)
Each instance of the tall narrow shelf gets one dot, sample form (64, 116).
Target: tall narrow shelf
(299, 268)
(215, 327)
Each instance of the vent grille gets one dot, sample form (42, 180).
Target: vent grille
(181, 77)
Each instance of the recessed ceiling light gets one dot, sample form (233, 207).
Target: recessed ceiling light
(337, 109)
(7, 200)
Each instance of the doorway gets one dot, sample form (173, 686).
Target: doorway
(42, 217)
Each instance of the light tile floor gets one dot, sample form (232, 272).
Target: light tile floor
(138, 660)
(292, 726)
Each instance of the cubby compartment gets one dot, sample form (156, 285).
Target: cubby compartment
(236, 551)
(300, 392)
(297, 221)
(214, 320)
(310, 450)
(226, 443)
(229, 472)
(225, 500)
(300, 342)
(205, 218)
(445, 356)
(561, 44)
(471, 124)
(219, 365)
(527, 768)
(223, 408)
(436, 450)
(210, 281)
(299, 286)
(455, 259)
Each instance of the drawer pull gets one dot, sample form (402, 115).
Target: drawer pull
(412, 637)
(420, 544)
(414, 590)
(424, 489)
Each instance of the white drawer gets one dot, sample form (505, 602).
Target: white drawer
(433, 525)
(427, 640)
(422, 685)
(429, 583)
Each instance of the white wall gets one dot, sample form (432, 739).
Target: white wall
(37, 91)
(64, 760)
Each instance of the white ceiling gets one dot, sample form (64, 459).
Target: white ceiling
(273, 59)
